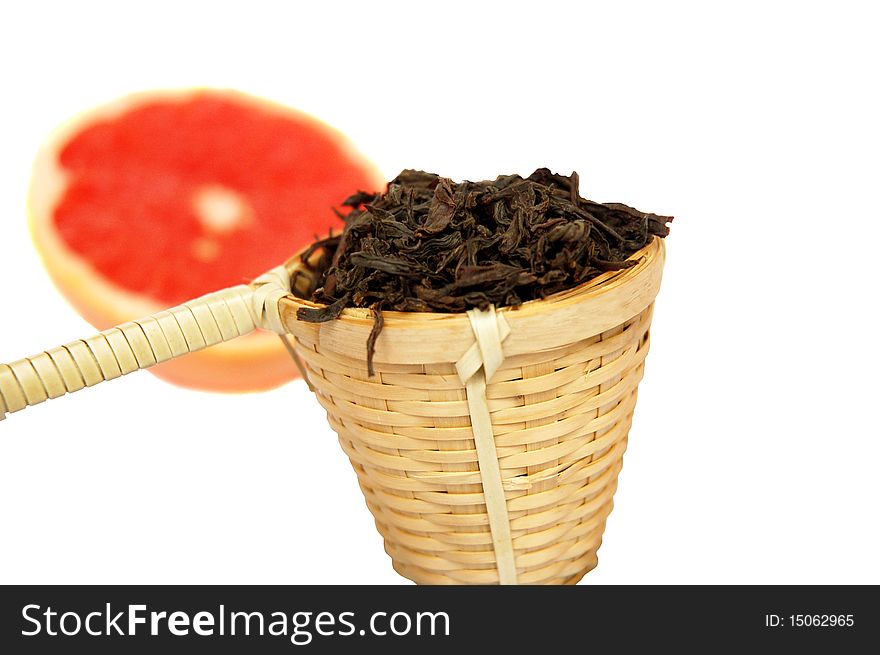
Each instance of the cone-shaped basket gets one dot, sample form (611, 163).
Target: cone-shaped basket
(559, 404)
(487, 444)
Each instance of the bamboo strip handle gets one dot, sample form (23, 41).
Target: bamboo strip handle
(192, 326)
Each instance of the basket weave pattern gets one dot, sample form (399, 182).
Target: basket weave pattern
(560, 419)
(487, 445)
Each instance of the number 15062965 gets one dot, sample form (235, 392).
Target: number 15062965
(809, 620)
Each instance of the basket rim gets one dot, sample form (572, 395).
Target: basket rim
(588, 309)
(585, 287)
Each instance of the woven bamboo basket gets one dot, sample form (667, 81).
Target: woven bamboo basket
(487, 444)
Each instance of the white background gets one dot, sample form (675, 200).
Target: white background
(754, 453)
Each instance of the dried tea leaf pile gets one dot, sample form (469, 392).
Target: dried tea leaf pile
(432, 245)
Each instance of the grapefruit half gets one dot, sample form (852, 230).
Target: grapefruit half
(163, 196)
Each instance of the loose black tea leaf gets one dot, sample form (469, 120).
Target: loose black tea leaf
(430, 245)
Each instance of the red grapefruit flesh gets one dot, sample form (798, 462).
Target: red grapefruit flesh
(161, 197)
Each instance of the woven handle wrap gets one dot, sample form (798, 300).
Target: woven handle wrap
(206, 321)
(475, 368)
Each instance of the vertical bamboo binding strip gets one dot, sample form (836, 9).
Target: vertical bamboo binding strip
(553, 383)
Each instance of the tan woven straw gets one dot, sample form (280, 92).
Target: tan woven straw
(562, 379)
(487, 444)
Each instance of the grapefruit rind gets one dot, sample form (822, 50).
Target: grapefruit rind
(255, 362)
